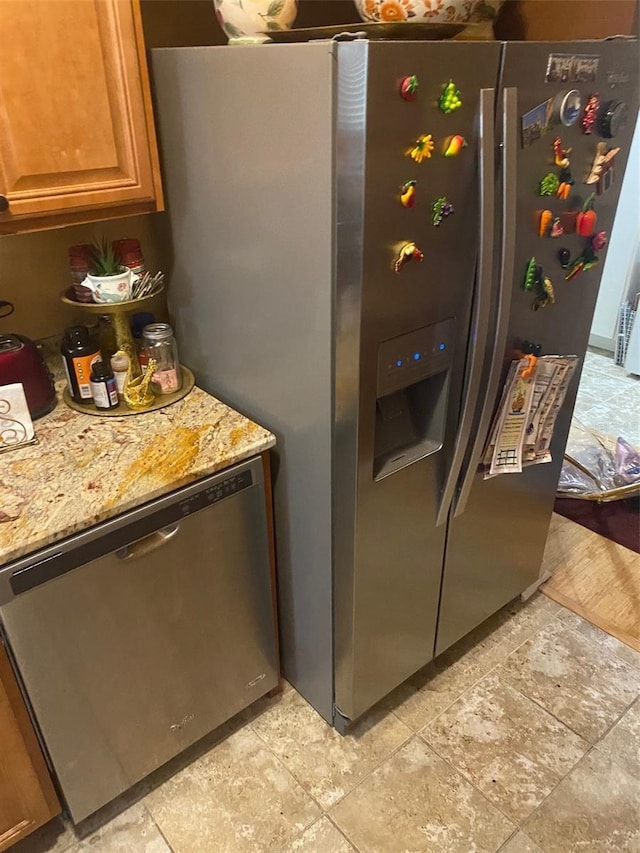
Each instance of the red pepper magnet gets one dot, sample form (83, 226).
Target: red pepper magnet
(587, 218)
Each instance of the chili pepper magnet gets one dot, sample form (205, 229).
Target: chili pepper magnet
(590, 113)
(422, 148)
(450, 99)
(409, 252)
(549, 184)
(408, 194)
(453, 145)
(409, 88)
(441, 209)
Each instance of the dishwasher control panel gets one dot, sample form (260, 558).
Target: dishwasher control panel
(218, 492)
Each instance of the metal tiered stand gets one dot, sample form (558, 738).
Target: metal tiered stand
(120, 313)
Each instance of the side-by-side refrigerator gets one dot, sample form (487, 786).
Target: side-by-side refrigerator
(351, 223)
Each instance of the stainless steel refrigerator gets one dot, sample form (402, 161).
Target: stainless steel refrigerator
(298, 298)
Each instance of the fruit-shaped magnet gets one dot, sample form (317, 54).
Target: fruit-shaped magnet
(560, 154)
(421, 149)
(408, 194)
(453, 145)
(590, 114)
(409, 88)
(549, 184)
(450, 99)
(409, 252)
(442, 208)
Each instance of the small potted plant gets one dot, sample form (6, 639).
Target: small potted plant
(108, 279)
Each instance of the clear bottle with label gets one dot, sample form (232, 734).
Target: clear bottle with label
(160, 345)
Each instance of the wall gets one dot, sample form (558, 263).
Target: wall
(618, 274)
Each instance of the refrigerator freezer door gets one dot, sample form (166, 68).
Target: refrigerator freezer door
(496, 539)
(396, 416)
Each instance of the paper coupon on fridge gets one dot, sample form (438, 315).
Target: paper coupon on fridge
(514, 420)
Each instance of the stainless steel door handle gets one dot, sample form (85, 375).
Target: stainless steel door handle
(147, 545)
(509, 153)
(482, 301)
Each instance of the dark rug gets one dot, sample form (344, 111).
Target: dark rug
(617, 520)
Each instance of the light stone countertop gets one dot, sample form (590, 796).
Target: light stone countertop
(86, 469)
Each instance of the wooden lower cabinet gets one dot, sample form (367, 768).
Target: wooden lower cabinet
(27, 796)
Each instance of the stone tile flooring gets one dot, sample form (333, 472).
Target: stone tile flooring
(609, 398)
(523, 738)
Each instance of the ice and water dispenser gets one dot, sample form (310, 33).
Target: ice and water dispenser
(412, 390)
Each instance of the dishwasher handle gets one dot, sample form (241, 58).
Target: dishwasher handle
(147, 545)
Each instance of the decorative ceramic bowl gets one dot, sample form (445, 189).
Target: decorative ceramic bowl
(248, 20)
(450, 11)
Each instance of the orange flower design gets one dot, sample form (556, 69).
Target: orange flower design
(432, 7)
(392, 10)
(370, 8)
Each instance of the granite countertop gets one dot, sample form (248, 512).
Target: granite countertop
(86, 469)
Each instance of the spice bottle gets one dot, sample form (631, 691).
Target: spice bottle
(120, 365)
(103, 386)
(138, 322)
(160, 345)
(79, 353)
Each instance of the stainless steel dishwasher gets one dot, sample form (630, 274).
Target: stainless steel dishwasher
(137, 637)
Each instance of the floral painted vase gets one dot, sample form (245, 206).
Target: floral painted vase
(248, 20)
(415, 11)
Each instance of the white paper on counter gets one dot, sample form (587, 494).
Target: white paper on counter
(16, 426)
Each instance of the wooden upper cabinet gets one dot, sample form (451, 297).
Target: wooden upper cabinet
(27, 796)
(77, 140)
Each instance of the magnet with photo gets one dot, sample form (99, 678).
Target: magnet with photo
(536, 122)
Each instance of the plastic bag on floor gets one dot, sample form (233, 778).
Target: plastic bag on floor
(598, 467)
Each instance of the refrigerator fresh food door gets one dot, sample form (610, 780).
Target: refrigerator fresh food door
(499, 526)
(406, 322)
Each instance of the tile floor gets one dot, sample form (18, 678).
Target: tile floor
(523, 738)
(609, 398)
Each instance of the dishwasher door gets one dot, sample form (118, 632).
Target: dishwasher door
(138, 637)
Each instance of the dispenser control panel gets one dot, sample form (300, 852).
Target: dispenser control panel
(407, 359)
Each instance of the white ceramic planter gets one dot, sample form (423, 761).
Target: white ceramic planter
(246, 21)
(111, 288)
(430, 11)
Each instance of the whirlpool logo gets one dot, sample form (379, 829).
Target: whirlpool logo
(176, 727)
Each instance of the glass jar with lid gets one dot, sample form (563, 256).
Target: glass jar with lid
(159, 344)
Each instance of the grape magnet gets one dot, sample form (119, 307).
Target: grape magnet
(450, 99)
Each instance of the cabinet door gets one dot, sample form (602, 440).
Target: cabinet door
(76, 125)
(27, 797)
